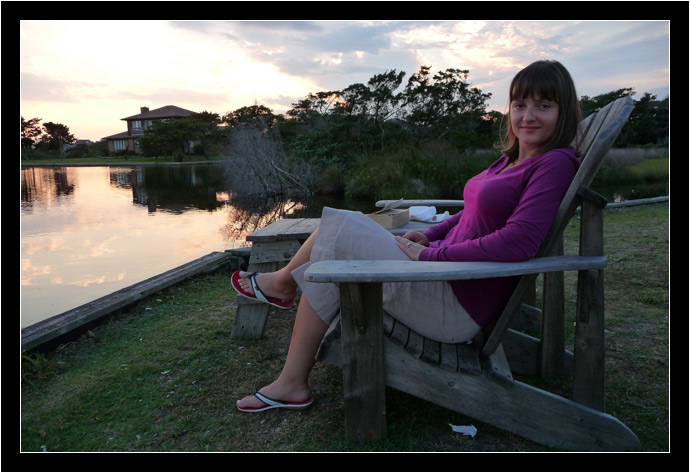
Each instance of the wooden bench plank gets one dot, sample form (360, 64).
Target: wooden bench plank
(400, 333)
(431, 352)
(396, 271)
(285, 229)
(274, 252)
(424, 203)
(449, 357)
(415, 344)
(388, 323)
(468, 358)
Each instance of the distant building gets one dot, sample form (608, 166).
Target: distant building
(136, 124)
(78, 142)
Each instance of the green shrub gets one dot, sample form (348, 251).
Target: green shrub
(430, 170)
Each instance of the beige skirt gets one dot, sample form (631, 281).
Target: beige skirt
(429, 308)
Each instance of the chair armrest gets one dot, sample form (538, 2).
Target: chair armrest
(346, 271)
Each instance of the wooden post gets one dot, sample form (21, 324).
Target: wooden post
(364, 386)
(588, 382)
(552, 346)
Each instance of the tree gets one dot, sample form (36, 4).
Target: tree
(204, 128)
(57, 136)
(256, 163)
(334, 126)
(249, 114)
(590, 105)
(161, 138)
(30, 130)
(384, 103)
(648, 122)
(443, 104)
(176, 136)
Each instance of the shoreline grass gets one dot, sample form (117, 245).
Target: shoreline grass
(163, 375)
(119, 161)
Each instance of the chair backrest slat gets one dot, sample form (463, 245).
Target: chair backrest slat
(597, 134)
(602, 130)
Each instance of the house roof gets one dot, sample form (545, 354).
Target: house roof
(117, 136)
(169, 111)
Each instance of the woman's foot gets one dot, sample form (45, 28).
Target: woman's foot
(295, 398)
(271, 285)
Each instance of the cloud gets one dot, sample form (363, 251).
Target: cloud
(174, 96)
(48, 89)
(223, 65)
(321, 51)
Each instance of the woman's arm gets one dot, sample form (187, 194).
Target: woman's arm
(437, 232)
(525, 229)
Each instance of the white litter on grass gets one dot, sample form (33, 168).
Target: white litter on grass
(470, 430)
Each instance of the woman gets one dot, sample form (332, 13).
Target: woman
(508, 211)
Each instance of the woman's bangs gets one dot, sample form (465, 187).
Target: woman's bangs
(534, 84)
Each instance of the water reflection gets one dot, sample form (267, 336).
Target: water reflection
(89, 231)
(173, 188)
(41, 185)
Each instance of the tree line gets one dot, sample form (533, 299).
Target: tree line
(48, 137)
(383, 114)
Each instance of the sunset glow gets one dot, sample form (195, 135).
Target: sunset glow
(89, 75)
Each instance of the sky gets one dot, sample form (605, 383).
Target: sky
(89, 74)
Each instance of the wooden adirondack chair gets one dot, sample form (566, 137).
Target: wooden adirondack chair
(476, 379)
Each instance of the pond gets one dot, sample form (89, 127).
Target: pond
(86, 232)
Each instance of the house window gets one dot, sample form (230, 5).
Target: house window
(136, 127)
(119, 145)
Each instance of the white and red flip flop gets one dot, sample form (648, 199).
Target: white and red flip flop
(258, 295)
(273, 404)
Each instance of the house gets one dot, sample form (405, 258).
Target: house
(136, 124)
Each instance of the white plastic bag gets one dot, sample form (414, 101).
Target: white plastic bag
(427, 214)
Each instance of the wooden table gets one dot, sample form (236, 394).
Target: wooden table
(272, 248)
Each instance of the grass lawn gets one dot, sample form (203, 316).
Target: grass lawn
(164, 375)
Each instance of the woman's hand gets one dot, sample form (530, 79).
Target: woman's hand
(416, 237)
(411, 248)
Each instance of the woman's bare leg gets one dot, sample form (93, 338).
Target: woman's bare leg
(292, 385)
(280, 283)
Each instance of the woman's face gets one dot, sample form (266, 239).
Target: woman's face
(533, 121)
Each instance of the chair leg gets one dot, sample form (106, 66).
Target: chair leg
(588, 374)
(552, 346)
(364, 384)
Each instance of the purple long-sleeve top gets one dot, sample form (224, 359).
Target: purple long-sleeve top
(506, 218)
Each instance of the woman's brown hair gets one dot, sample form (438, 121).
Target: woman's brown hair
(546, 79)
